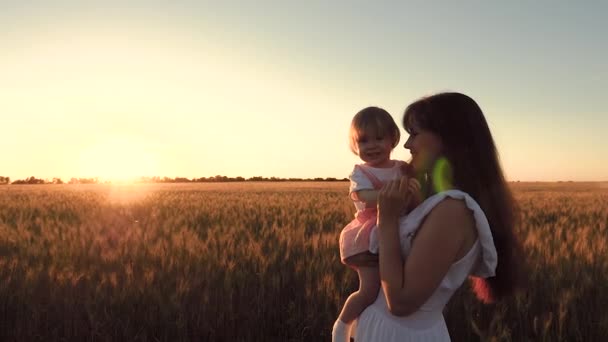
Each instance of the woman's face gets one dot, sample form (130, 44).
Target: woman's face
(425, 147)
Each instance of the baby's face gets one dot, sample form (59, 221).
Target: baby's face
(373, 149)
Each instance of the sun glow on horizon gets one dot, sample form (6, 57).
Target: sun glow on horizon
(119, 159)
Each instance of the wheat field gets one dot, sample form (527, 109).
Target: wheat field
(260, 262)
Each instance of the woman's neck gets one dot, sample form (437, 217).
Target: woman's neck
(442, 176)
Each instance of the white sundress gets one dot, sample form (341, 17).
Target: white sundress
(377, 324)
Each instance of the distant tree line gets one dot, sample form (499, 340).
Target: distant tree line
(215, 179)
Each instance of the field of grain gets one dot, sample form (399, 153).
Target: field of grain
(259, 262)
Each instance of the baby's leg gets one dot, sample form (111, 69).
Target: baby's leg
(369, 285)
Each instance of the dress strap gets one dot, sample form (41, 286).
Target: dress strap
(375, 181)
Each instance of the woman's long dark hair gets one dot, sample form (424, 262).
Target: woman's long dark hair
(471, 153)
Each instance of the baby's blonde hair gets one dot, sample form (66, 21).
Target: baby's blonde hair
(373, 119)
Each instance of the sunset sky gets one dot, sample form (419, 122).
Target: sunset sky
(198, 89)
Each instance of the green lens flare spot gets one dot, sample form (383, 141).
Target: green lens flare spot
(442, 175)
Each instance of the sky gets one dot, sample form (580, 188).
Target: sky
(196, 89)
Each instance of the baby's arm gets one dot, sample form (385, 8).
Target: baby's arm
(362, 189)
(369, 197)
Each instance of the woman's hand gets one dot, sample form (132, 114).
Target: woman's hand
(416, 193)
(392, 198)
(397, 197)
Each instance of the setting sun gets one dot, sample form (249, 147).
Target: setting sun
(118, 159)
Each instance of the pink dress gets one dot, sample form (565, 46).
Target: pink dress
(355, 236)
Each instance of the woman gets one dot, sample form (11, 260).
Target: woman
(465, 227)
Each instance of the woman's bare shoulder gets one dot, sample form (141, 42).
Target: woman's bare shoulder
(454, 219)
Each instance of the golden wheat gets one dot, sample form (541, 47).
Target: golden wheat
(259, 261)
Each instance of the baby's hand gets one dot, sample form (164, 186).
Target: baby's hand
(407, 170)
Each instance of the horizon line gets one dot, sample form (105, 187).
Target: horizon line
(7, 180)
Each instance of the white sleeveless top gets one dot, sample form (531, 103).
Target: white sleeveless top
(376, 323)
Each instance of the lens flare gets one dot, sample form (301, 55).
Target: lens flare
(442, 175)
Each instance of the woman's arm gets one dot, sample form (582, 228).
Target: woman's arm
(408, 284)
